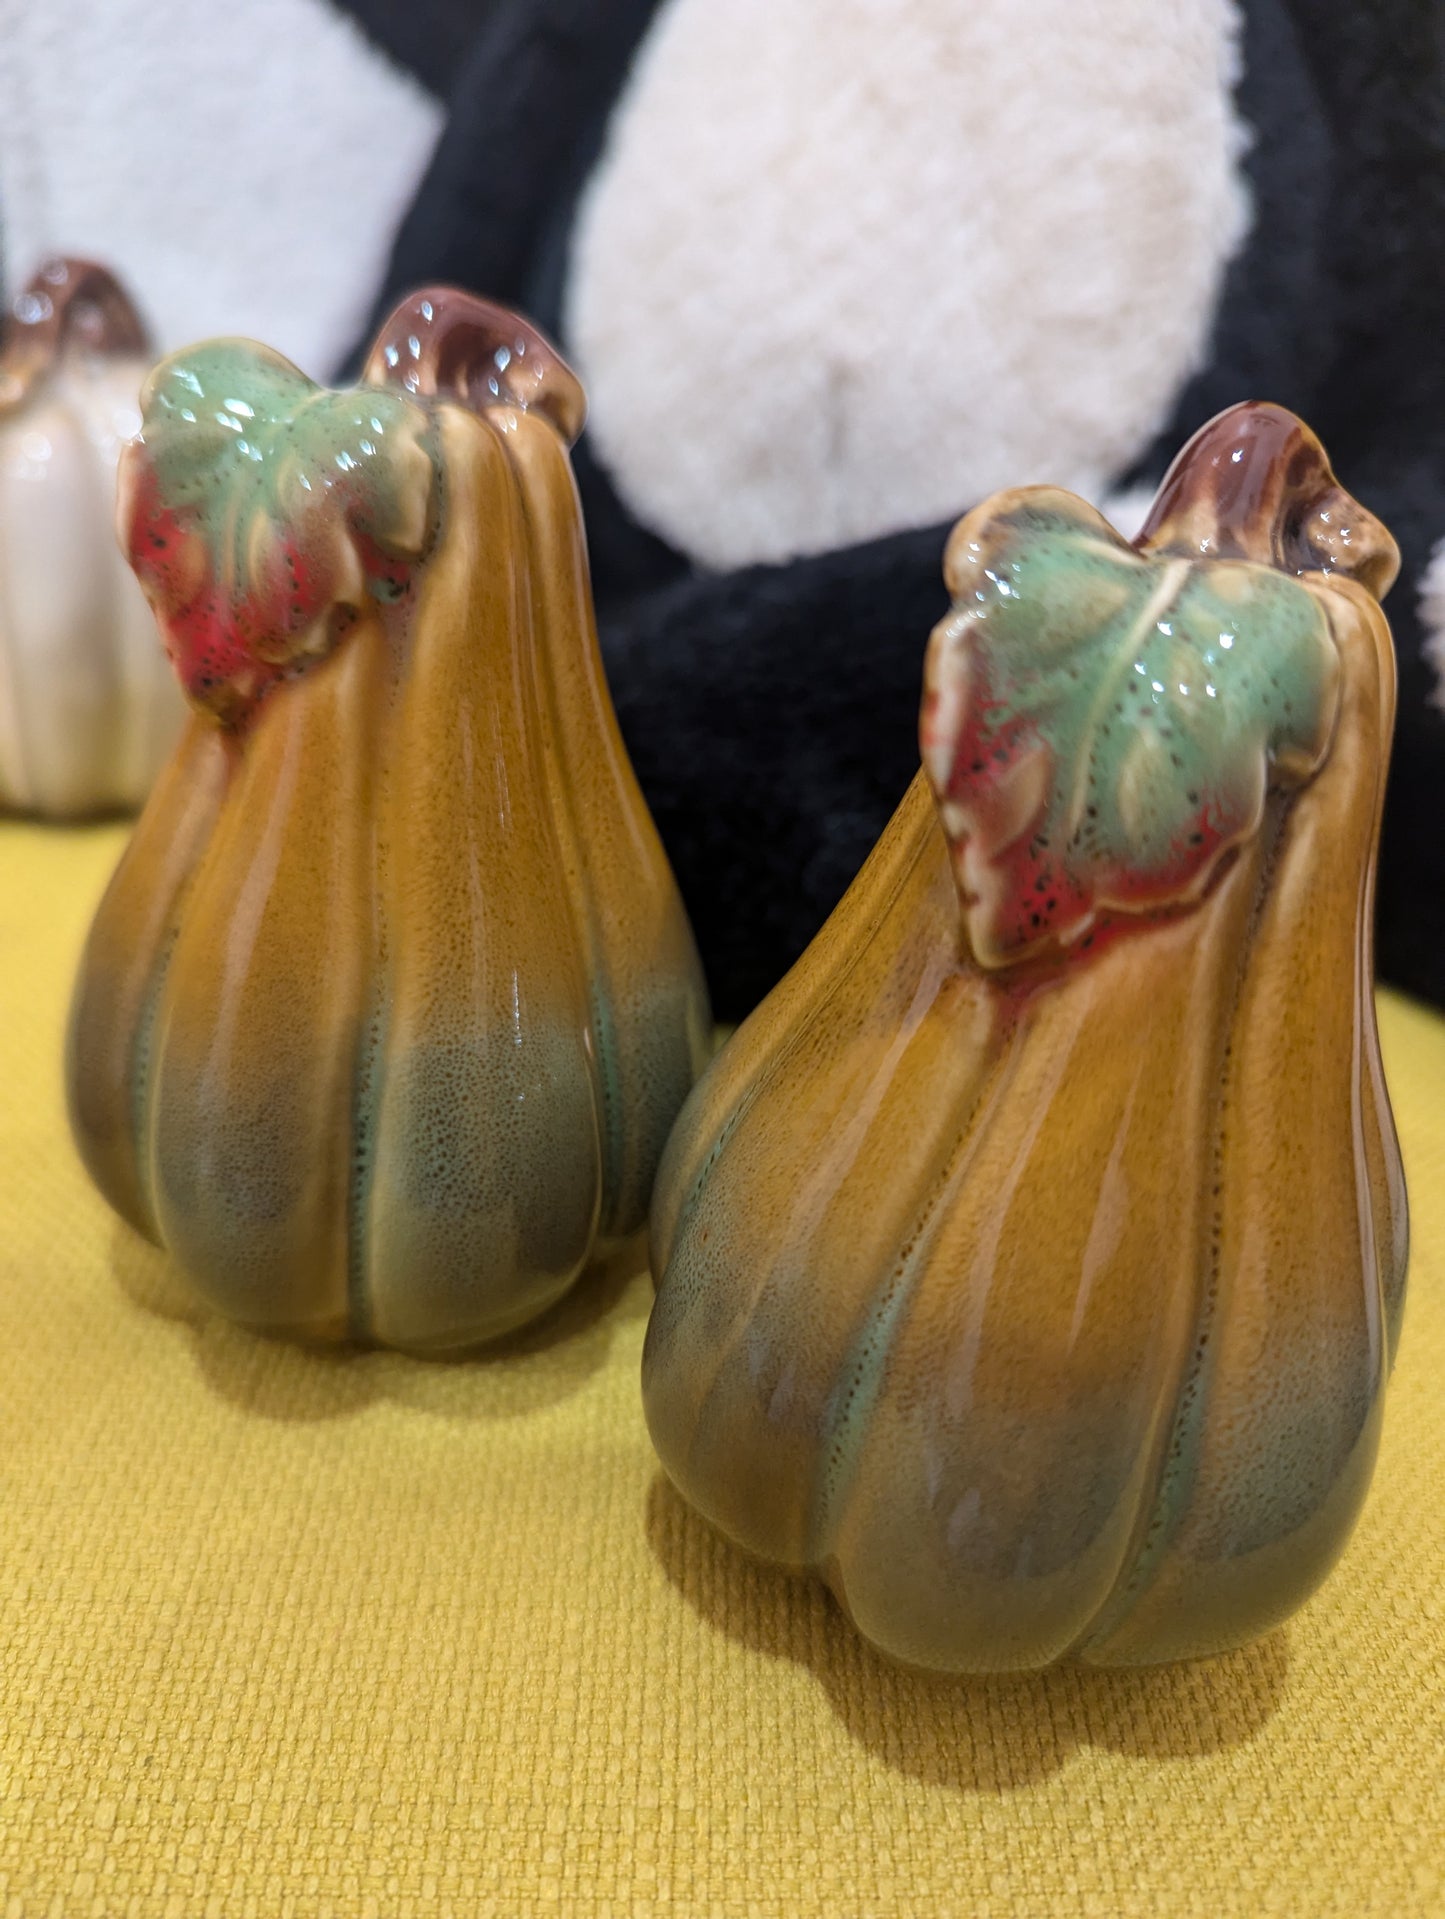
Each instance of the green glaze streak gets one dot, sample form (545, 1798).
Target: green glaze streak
(142, 1080)
(366, 1093)
(610, 1114)
(848, 1415)
(1105, 724)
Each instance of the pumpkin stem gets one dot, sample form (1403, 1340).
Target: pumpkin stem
(446, 342)
(65, 300)
(1255, 484)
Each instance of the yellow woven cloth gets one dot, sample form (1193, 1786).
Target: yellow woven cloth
(283, 1634)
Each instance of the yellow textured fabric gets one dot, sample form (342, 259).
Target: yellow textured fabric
(285, 1634)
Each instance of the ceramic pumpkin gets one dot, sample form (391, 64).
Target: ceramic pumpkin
(1031, 1261)
(391, 1003)
(89, 708)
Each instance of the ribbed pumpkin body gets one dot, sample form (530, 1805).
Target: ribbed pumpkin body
(89, 708)
(389, 1008)
(1045, 1310)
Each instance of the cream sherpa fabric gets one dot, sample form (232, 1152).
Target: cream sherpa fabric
(242, 166)
(847, 265)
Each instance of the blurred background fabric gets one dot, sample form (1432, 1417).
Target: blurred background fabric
(830, 272)
(241, 166)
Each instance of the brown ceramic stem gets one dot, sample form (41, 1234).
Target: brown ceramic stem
(443, 341)
(1255, 484)
(65, 300)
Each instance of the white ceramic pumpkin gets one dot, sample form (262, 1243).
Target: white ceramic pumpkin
(89, 707)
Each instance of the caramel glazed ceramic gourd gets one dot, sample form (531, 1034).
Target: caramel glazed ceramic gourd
(1031, 1262)
(89, 709)
(392, 1001)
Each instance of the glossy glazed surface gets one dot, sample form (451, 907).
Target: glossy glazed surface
(88, 707)
(1034, 1281)
(387, 1012)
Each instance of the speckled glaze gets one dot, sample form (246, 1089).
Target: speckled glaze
(392, 1001)
(1031, 1262)
(89, 709)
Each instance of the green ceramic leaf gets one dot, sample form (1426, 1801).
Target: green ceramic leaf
(1101, 726)
(256, 502)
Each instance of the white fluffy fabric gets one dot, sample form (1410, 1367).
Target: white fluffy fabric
(1127, 510)
(848, 265)
(242, 166)
(1432, 615)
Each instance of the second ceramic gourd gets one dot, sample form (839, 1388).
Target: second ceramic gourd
(388, 1010)
(89, 708)
(1031, 1261)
